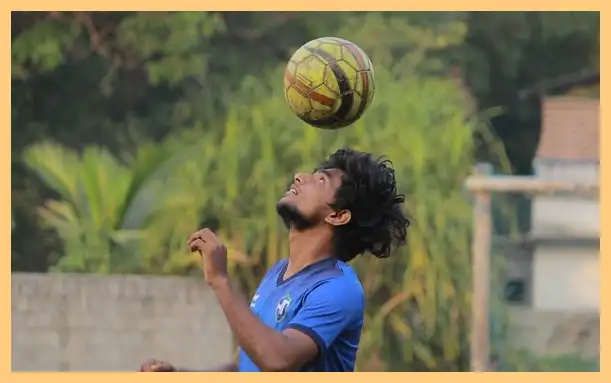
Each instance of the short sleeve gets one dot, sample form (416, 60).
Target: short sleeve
(328, 310)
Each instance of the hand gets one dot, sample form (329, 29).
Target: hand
(214, 256)
(154, 365)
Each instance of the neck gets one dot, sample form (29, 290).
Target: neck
(308, 247)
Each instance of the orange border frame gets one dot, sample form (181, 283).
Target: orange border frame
(5, 354)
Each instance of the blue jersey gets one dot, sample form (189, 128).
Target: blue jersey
(324, 300)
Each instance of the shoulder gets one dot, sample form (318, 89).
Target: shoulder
(342, 290)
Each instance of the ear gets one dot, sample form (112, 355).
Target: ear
(339, 218)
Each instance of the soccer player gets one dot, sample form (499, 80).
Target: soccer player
(307, 314)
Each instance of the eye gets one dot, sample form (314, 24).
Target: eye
(321, 179)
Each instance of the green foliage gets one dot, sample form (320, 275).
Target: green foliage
(418, 303)
(42, 46)
(505, 52)
(166, 119)
(175, 38)
(525, 361)
(112, 217)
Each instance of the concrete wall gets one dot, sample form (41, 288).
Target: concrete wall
(566, 275)
(566, 278)
(555, 333)
(566, 215)
(113, 323)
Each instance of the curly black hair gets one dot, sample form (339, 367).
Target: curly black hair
(369, 192)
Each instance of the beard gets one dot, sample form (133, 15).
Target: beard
(293, 218)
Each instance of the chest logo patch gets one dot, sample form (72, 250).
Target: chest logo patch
(282, 308)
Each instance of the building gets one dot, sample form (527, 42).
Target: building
(566, 229)
(559, 265)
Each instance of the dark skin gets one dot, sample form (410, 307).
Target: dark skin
(310, 196)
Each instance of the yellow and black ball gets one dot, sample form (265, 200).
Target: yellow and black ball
(329, 83)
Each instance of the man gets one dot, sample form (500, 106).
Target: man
(307, 314)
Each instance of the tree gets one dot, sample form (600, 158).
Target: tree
(146, 75)
(125, 93)
(418, 300)
(109, 214)
(509, 51)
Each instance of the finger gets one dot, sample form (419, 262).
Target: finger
(159, 368)
(208, 230)
(208, 236)
(163, 367)
(146, 366)
(194, 236)
(197, 245)
(204, 234)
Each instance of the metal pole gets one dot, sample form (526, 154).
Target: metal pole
(482, 237)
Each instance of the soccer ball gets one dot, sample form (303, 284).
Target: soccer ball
(329, 83)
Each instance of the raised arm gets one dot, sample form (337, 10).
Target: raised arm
(326, 312)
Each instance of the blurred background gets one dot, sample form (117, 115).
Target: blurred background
(130, 130)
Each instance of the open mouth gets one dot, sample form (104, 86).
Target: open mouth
(292, 190)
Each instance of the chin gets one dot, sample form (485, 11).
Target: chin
(292, 217)
(286, 208)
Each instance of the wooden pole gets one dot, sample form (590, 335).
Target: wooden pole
(529, 185)
(481, 184)
(482, 238)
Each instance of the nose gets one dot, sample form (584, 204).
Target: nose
(299, 178)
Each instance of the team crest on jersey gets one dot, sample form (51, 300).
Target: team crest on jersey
(282, 307)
